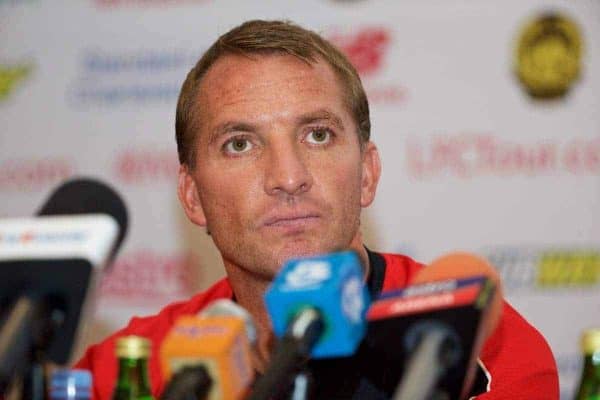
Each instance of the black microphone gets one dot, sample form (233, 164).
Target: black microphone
(48, 266)
(429, 335)
(460, 311)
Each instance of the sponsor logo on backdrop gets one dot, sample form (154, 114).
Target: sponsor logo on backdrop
(548, 56)
(12, 76)
(17, 2)
(367, 48)
(145, 3)
(547, 268)
(134, 166)
(32, 174)
(110, 78)
(147, 276)
(469, 155)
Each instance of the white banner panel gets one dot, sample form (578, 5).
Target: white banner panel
(482, 151)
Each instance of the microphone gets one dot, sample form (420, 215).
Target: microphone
(226, 307)
(462, 265)
(438, 327)
(47, 265)
(217, 340)
(317, 306)
(85, 196)
(189, 383)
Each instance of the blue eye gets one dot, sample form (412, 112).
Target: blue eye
(238, 145)
(319, 136)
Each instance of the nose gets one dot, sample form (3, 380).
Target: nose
(286, 171)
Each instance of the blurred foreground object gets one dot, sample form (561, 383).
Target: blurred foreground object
(589, 385)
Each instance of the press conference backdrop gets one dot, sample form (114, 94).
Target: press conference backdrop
(486, 114)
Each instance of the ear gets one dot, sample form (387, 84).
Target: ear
(187, 192)
(371, 171)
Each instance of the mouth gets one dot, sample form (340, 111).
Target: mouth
(292, 221)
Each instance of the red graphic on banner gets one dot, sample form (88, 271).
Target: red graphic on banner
(146, 166)
(468, 155)
(149, 276)
(386, 94)
(582, 156)
(33, 174)
(365, 48)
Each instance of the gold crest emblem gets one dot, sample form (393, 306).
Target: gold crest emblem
(548, 56)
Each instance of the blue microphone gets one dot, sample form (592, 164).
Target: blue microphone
(317, 307)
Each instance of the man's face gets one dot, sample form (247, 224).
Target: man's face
(279, 170)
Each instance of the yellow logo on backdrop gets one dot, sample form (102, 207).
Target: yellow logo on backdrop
(548, 56)
(566, 268)
(10, 76)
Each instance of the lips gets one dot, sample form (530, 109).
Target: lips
(295, 219)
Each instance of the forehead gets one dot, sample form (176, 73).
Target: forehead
(267, 86)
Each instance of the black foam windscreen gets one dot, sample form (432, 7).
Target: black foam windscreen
(87, 196)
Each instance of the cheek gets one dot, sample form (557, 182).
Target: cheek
(228, 197)
(342, 181)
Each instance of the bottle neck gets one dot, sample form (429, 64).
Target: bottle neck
(133, 376)
(591, 364)
(589, 385)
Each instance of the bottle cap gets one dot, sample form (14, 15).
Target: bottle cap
(133, 347)
(590, 341)
(71, 384)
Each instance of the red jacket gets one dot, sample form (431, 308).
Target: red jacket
(519, 362)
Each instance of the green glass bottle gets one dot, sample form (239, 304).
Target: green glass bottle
(133, 353)
(589, 385)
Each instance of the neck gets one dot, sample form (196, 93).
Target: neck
(249, 291)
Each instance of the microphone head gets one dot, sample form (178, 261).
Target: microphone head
(87, 196)
(227, 308)
(458, 293)
(460, 265)
(219, 343)
(332, 284)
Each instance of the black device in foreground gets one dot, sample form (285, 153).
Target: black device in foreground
(397, 324)
(48, 264)
(428, 337)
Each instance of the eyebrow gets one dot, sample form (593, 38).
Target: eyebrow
(319, 116)
(230, 126)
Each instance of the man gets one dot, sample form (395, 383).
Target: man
(273, 135)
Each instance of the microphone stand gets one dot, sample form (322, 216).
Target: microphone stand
(303, 382)
(189, 383)
(292, 351)
(24, 339)
(435, 353)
